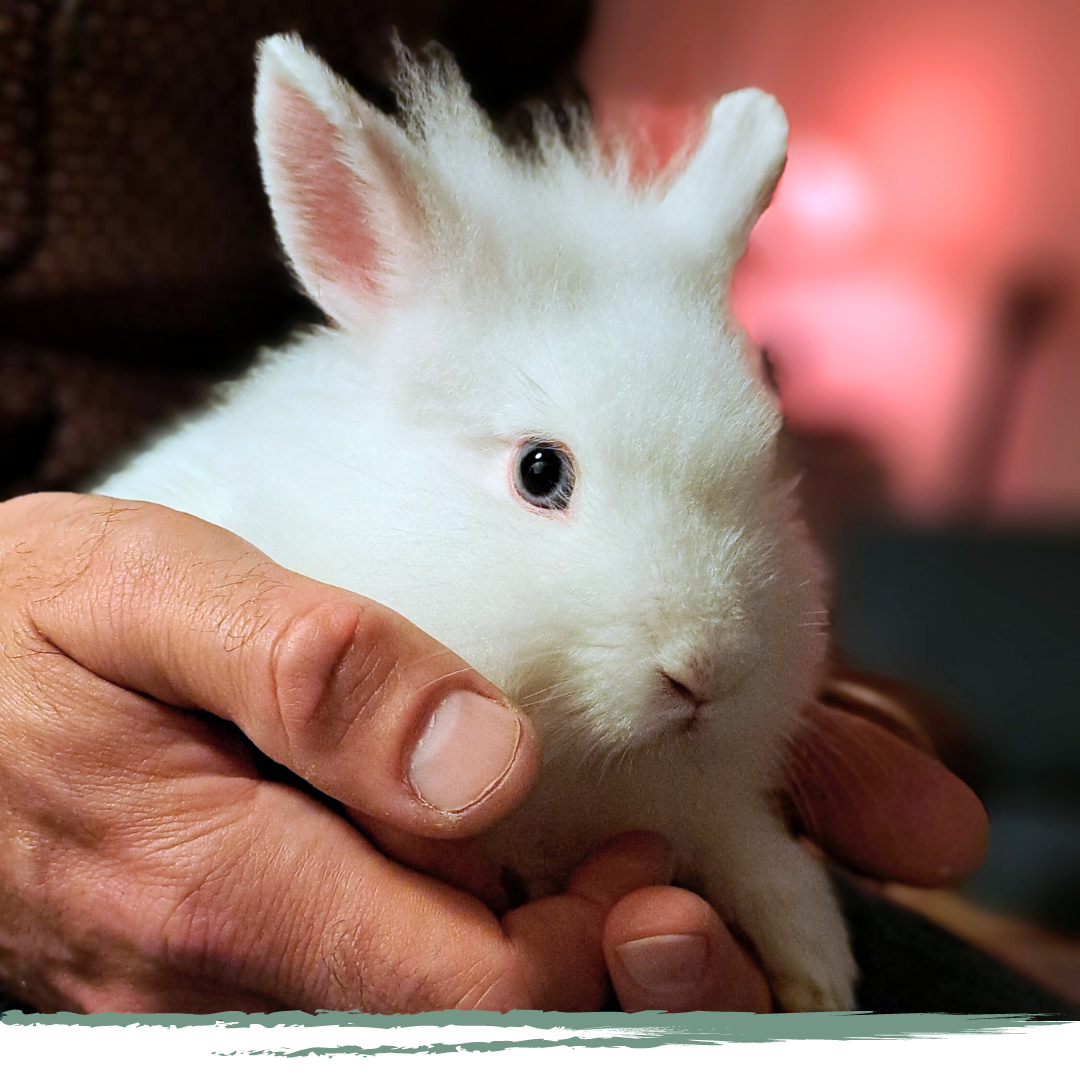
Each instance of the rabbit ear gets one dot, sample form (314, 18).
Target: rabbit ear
(336, 171)
(732, 176)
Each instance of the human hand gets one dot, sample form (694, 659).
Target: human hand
(146, 864)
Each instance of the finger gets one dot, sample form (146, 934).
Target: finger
(564, 962)
(888, 704)
(625, 863)
(338, 689)
(881, 806)
(667, 949)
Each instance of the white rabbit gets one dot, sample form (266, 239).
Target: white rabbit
(533, 431)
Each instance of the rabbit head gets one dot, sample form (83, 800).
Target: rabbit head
(570, 471)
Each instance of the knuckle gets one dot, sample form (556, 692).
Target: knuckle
(331, 664)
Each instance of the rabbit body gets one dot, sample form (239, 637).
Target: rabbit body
(663, 628)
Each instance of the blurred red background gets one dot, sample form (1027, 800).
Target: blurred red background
(931, 201)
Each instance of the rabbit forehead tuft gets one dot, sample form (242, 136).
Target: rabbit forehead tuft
(563, 229)
(557, 217)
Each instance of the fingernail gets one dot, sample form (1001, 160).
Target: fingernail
(666, 963)
(466, 750)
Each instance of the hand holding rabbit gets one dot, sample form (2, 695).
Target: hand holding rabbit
(146, 866)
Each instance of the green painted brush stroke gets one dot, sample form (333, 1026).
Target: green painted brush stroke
(645, 1030)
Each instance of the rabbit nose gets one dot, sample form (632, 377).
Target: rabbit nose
(685, 698)
(685, 685)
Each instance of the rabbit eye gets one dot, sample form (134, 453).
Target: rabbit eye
(544, 475)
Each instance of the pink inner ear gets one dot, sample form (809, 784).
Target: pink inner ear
(328, 206)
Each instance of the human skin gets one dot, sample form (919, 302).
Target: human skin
(150, 860)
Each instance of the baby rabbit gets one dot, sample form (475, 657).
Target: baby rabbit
(532, 429)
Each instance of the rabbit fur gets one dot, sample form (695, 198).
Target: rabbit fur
(663, 629)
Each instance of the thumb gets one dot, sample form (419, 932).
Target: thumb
(340, 690)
